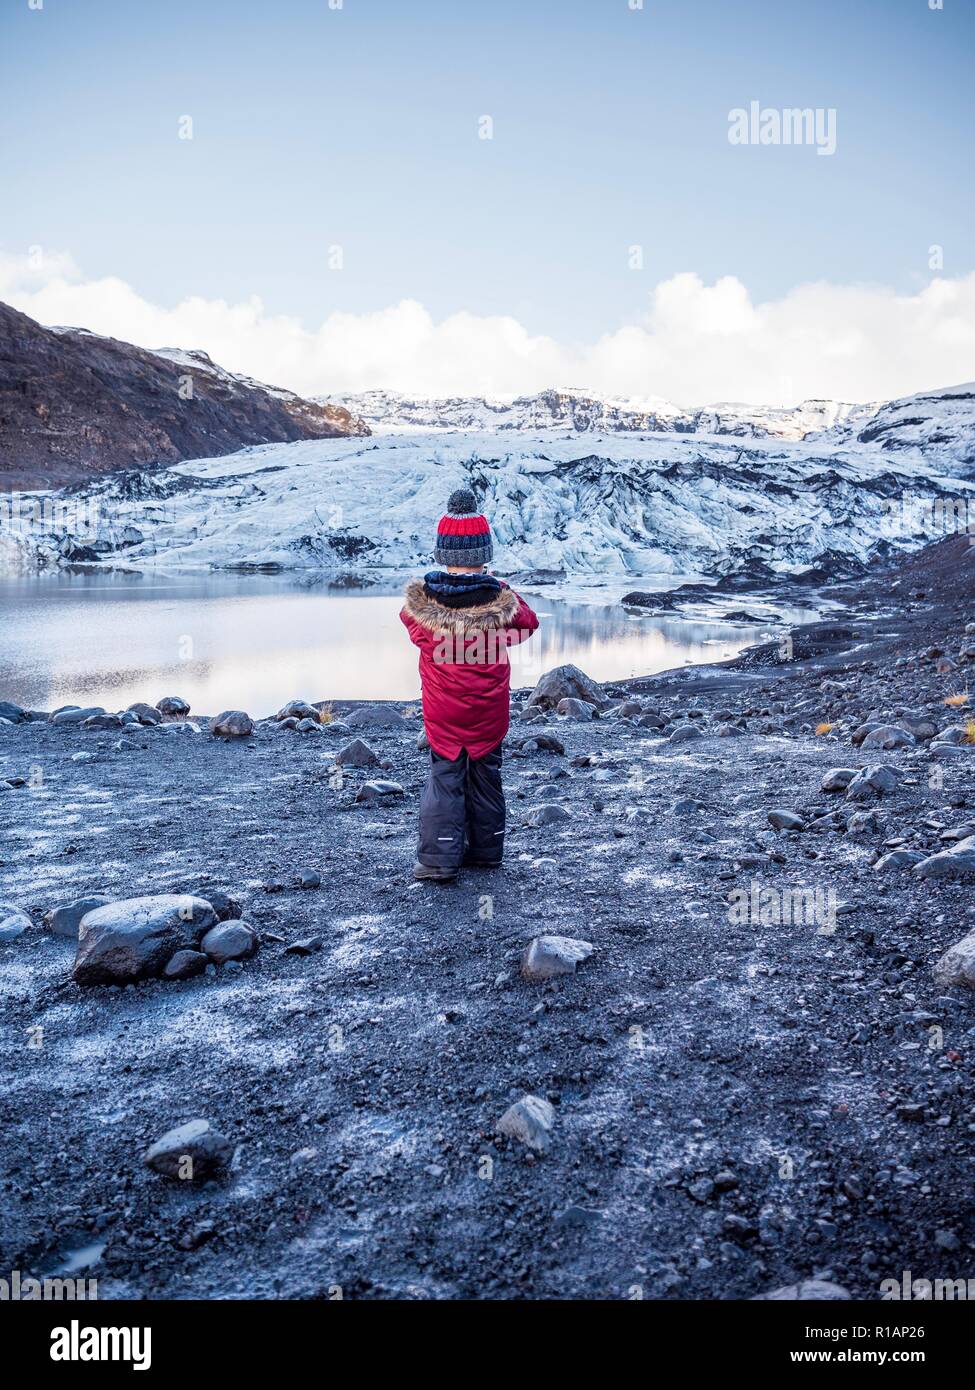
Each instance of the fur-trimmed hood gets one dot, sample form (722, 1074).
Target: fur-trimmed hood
(459, 622)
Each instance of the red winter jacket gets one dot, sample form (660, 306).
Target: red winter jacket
(464, 666)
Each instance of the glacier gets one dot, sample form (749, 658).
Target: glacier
(614, 504)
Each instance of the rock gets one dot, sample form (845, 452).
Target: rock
(947, 752)
(305, 947)
(103, 721)
(299, 709)
(309, 878)
(76, 716)
(685, 733)
(290, 723)
(232, 723)
(124, 745)
(548, 814)
(630, 709)
(173, 707)
(957, 965)
(920, 726)
(356, 754)
(191, 1151)
(889, 736)
(688, 806)
(230, 941)
(866, 728)
(82, 757)
(837, 779)
(730, 731)
(378, 791)
(651, 720)
(145, 714)
(422, 742)
(945, 666)
(308, 726)
(65, 920)
(575, 709)
(898, 859)
(566, 683)
(529, 1120)
(862, 823)
(548, 956)
(13, 922)
(15, 714)
(225, 907)
(184, 965)
(954, 733)
(874, 781)
(785, 820)
(644, 598)
(950, 863)
(376, 717)
(133, 938)
(809, 1290)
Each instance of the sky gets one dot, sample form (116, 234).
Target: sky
(337, 220)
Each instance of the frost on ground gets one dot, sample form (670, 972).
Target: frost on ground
(731, 1103)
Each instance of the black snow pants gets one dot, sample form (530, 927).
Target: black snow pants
(462, 811)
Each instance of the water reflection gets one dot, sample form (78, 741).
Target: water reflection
(253, 642)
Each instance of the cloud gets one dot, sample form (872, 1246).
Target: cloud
(695, 344)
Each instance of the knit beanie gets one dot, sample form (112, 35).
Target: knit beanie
(463, 535)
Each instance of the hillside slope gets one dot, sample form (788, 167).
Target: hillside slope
(74, 405)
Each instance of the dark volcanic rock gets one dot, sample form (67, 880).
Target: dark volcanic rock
(232, 723)
(230, 941)
(73, 404)
(133, 939)
(566, 683)
(191, 1151)
(64, 921)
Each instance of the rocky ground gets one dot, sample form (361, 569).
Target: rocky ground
(745, 1086)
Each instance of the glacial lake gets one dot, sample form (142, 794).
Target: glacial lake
(253, 642)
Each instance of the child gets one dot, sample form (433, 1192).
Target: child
(463, 621)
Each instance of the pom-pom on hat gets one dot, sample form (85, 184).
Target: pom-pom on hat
(463, 534)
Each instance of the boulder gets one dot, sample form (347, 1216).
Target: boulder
(548, 956)
(874, 781)
(103, 721)
(954, 733)
(229, 941)
(529, 1120)
(837, 779)
(65, 920)
(566, 683)
(13, 922)
(780, 819)
(898, 859)
(173, 707)
(133, 938)
(232, 723)
(76, 716)
(299, 709)
(685, 733)
(225, 907)
(548, 814)
(145, 714)
(184, 965)
(956, 862)
(376, 717)
(575, 709)
(15, 714)
(887, 737)
(191, 1151)
(957, 965)
(308, 726)
(378, 791)
(356, 754)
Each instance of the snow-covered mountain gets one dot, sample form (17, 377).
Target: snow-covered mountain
(390, 412)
